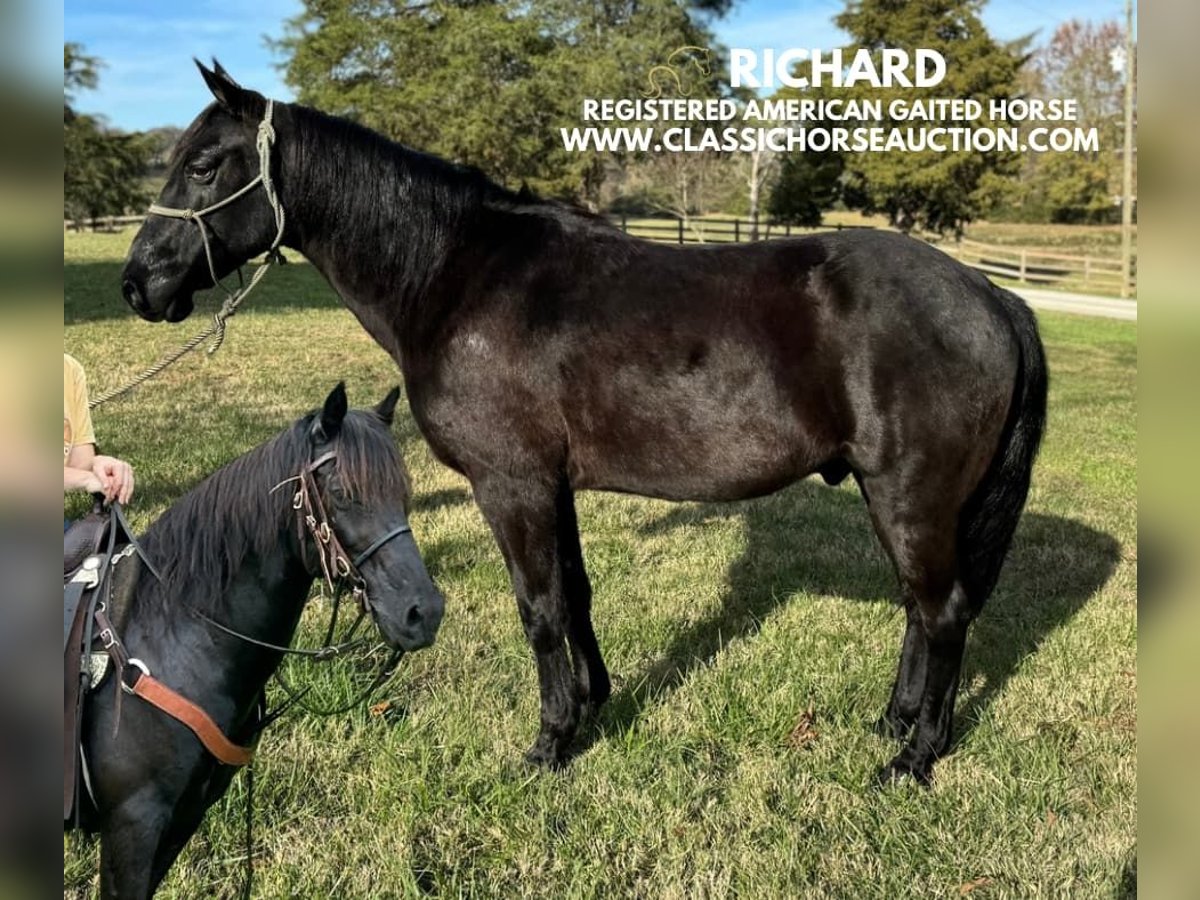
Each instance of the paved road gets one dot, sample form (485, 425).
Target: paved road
(1084, 304)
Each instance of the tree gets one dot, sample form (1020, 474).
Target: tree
(80, 71)
(484, 82)
(808, 184)
(102, 169)
(1078, 63)
(928, 189)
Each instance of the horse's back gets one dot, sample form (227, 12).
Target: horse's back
(717, 372)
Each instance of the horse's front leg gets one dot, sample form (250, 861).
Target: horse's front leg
(129, 841)
(524, 518)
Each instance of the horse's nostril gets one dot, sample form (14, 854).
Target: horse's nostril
(414, 616)
(131, 293)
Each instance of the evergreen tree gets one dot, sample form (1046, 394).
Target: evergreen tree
(102, 169)
(484, 82)
(932, 190)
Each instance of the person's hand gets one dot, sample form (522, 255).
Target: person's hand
(115, 478)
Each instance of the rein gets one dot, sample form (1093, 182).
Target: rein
(264, 141)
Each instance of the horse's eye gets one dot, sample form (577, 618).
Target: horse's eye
(200, 173)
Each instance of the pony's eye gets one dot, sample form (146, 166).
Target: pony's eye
(200, 173)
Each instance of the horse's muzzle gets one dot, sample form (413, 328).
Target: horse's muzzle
(417, 625)
(137, 301)
(175, 310)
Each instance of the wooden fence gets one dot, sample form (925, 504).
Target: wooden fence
(713, 231)
(1037, 267)
(107, 223)
(1022, 264)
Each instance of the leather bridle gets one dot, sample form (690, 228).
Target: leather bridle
(336, 565)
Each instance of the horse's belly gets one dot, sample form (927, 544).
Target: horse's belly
(729, 455)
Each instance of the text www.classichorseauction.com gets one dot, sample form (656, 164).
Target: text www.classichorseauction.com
(802, 124)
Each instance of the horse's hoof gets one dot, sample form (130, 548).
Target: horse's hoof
(901, 769)
(545, 753)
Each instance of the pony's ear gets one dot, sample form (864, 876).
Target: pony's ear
(234, 99)
(329, 423)
(386, 409)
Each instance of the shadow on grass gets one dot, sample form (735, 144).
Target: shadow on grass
(816, 540)
(432, 500)
(92, 292)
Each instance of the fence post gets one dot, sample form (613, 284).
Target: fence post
(1087, 270)
(624, 223)
(1021, 278)
(737, 231)
(680, 220)
(787, 229)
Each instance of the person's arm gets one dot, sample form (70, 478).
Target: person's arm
(78, 474)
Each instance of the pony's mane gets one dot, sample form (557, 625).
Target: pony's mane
(202, 540)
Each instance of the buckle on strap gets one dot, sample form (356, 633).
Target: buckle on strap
(137, 664)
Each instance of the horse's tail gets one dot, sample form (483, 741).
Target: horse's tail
(989, 517)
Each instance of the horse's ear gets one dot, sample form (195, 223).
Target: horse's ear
(219, 70)
(333, 412)
(386, 409)
(234, 99)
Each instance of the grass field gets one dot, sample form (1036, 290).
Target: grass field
(724, 626)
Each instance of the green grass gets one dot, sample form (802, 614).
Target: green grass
(722, 625)
(1078, 240)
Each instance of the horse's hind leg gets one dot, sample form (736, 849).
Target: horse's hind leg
(591, 675)
(917, 526)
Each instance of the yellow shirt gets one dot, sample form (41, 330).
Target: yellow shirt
(77, 418)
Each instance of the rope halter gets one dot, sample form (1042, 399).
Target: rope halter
(264, 140)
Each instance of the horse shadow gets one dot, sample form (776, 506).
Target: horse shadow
(818, 540)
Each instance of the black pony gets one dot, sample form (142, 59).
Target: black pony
(545, 352)
(234, 557)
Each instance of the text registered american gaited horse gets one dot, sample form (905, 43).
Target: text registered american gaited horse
(545, 352)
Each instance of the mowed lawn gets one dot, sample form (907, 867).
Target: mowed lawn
(752, 645)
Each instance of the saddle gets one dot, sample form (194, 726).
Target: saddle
(101, 564)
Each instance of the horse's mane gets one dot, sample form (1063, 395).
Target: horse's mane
(370, 184)
(202, 540)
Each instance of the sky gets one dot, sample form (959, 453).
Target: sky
(147, 45)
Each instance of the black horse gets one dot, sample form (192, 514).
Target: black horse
(546, 352)
(233, 559)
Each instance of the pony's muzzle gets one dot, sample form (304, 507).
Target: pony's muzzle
(419, 621)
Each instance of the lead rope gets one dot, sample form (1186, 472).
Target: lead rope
(233, 299)
(248, 881)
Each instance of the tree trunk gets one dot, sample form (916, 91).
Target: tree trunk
(755, 184)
